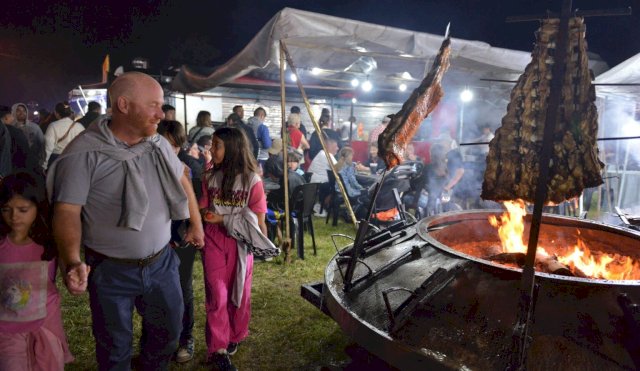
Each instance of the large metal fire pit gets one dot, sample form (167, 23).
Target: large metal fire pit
(463, 308)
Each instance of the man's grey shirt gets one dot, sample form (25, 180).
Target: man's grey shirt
(95, 181)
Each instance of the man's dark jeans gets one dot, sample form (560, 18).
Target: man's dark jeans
(154, 290)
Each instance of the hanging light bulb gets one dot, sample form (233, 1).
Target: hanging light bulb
(354, 100)
(367, 86)
(315, 71)
(466, 95)
(355, 83)
(406, 75)
(293, 77)
(402, 87)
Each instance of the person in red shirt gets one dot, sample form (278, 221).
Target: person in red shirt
(298, 141)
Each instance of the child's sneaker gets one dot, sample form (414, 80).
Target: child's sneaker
(232, 348)
(221, 362)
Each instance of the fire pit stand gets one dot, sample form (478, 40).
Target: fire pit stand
(444, 309)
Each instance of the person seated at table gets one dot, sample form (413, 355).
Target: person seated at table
(295, 179)
(356, 192)
(299, 155)
(275, 198)
(274, 165)
(320, 165)
(374, 162)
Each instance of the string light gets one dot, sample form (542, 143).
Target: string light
(367, 86)
(466, 95)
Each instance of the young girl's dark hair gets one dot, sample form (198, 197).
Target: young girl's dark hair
(173, 131)
(31, 187)
(238, 159)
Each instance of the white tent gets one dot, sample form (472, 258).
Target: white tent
(332, 51)
(627, 72)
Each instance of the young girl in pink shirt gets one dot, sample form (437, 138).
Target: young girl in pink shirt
(31, 333)
(231, 187)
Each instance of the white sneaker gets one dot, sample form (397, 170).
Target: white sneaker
(316, 208)
(323, 214)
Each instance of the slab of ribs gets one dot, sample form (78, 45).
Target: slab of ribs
(513, 160)
(393, 141)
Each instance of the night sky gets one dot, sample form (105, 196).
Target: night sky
(48, 47)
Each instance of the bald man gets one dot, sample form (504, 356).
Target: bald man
(115, 190)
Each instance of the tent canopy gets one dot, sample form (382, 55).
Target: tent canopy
(343, 49)
(627, 72)
(329, 52)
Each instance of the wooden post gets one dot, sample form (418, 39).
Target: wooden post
(319, 131)
(286, 239)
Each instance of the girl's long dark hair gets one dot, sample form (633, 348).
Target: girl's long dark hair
(238, 159)
(31, 187)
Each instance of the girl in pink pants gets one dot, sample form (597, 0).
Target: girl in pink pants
(231, 184)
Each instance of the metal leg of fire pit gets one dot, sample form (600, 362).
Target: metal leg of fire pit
(632, 318)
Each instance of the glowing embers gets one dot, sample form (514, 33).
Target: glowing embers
(577, 260)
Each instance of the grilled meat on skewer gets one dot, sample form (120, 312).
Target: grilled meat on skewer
(513, 160)
(393, 141)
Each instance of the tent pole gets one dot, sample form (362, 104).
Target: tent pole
(83, 97)
(186, 127)
(286, 239)
(283, 47)
(352, 119)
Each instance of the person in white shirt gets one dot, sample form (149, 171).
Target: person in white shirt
(486, 136)
(60, 133)
(320, 165)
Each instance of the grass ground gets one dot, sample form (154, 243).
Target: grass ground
(286, 332)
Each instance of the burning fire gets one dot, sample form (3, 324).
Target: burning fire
(581, 261)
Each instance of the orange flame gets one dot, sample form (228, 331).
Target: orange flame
(581, 259)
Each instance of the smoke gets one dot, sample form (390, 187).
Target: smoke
(622, 157)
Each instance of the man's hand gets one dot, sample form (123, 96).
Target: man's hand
(76, 278)
(195, 232)
(67, 229)
(195, 235)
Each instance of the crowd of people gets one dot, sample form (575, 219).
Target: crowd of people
(121, 204)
